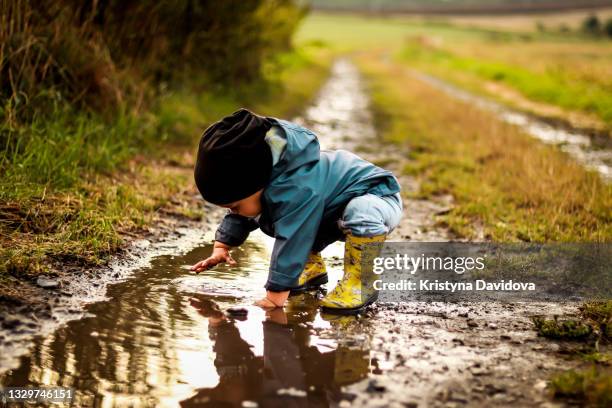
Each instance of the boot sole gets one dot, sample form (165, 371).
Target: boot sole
(351, 310)
(312, 284)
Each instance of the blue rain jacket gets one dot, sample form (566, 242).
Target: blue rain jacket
(308, 190)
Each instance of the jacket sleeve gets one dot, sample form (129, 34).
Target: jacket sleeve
(295, 233)
(234, 229)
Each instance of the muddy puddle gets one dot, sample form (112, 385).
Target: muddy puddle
(595, 153)
(164, 337)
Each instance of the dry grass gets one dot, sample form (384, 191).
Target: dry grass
(85, 225)
(516, 187)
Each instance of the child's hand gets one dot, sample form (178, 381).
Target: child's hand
(219, 255)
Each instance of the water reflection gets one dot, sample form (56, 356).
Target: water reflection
(293, 370)
(163, 339)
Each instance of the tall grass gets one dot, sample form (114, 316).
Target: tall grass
(101, 53)
(80, 82)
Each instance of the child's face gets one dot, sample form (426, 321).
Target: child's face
(248, 207)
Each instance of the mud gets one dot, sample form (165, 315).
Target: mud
(148, 332)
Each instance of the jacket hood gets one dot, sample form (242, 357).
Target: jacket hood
(302, 148)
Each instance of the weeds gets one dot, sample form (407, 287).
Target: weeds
(593, 327)
(561, 329)
(592, 386)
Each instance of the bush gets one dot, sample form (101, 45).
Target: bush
(608, 27)
(591, 24)
(100, 54)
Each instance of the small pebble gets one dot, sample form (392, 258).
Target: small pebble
(237, 311)
(47, 283)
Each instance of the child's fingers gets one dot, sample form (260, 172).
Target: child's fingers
(202, 265)
(198, 265)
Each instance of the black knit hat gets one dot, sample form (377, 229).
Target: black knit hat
(233, 161)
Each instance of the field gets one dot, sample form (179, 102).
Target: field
(101, 175)
(561, 75)
(506, 185)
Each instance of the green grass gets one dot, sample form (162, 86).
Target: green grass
(561, 329)
(349, 32)
(592, 386)
(593, 330)
(554, 86)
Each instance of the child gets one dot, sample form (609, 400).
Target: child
(271, 174)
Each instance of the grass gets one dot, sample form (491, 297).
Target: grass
(551, 73)
(591, 385)
(512, 186)
(594, 323)
(555, 329)
(504, 183)
(76, 184)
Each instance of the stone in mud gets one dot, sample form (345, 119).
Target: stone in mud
(479, 371)
(292, 392)
(11, 324)
(47, 283)
(492, 389)
(237, 311)
(375, 386)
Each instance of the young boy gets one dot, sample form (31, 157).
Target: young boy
(271, 174)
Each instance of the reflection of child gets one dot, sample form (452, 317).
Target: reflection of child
(289, 362)
(271, 174)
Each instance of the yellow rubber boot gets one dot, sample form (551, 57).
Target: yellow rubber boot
(355, 290)
(313, 275)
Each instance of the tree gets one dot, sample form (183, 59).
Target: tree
(608, 27)
(591, 24)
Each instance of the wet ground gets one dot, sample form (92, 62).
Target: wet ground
(162, 336)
